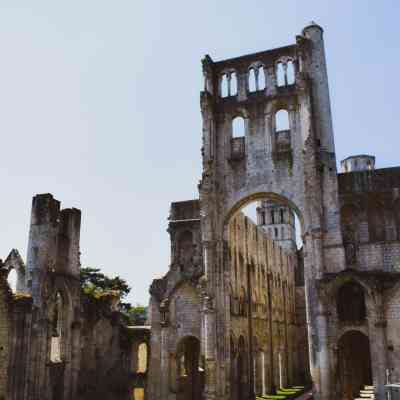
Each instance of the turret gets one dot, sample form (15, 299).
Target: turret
(53, 245)
(362, 162)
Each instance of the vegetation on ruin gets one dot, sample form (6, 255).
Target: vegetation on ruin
(99, 286)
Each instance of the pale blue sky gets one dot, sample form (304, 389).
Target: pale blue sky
(99, 105)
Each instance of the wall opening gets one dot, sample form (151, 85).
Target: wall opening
(238, 127)
(190, 371)
(290, 73)
(142, 358)
(282, 120)
(224, 85)
(354, 366)
(57, 330)
(233, 84)
(12, 279)
(280, 75)
(264, 238)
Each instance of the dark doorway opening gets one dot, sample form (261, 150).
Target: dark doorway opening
(190, 372)
(354, 364)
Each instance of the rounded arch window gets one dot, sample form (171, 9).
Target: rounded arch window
(57, 328)
(238, 127)
(224, 85)
(142, 358)
(12, 279)
(351, 303)
(233, 84)
(282, 120)
(290, 73)
(280, 74)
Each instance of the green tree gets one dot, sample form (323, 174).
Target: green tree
(95, 283)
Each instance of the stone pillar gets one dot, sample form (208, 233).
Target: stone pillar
(377, 342)
(164, 364)
(209, 349)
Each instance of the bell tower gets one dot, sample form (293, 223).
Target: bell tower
(283, 154)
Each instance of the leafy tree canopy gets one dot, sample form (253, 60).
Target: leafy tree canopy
(95, 283)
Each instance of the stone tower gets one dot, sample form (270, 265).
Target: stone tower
(278, 222)
(285, 153)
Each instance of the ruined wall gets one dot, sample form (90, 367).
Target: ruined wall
(392, 315)
(59, 343)
(5, 322)
(175, 304)
(106, 356)
(263, 274)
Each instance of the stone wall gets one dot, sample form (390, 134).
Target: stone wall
(5, 320)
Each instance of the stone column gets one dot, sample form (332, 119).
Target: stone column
(164, 367)
(377, 342)
(209, 349)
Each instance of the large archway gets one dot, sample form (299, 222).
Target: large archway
(190, 374)
(354, 364)
(264, 242)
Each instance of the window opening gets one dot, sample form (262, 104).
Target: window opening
(282, 121)
(238, 127)
(290, 73)
(56, 329)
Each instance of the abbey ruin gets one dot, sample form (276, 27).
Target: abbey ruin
(248, 305)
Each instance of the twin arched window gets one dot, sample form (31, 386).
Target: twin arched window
(256, 79)
(285, 73)
(229, 84)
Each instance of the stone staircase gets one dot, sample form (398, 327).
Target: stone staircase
(368, 393)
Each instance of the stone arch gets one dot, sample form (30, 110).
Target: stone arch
(329, 293)
(257, 196)
(15, 266)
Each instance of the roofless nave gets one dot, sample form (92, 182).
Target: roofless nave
(243, 310)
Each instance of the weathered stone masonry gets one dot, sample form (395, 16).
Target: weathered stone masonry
(55, 342)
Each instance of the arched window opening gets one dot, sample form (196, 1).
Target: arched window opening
(280, 75)
(290, 73)
(12, 279)
(252, 80)
(282, 216)
(185, 248)
(238, 127)
(349, 219)
(233, 84)
(261, 78)
(224, 86)
(351, 303)
(56, 329)
(142, 358)
(282, 121)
